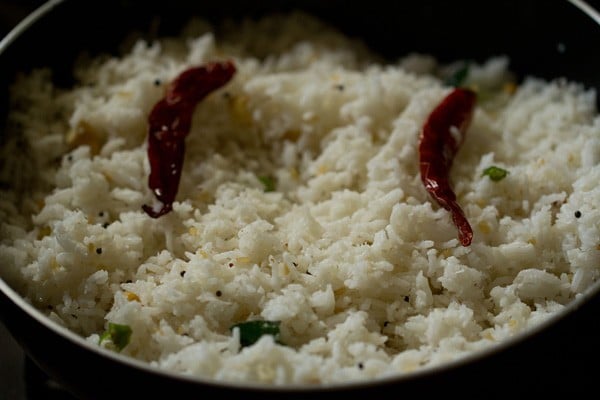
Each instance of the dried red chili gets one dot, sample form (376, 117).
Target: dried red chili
(169, 123)
(440, 139)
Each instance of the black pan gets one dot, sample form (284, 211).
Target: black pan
(549, 39)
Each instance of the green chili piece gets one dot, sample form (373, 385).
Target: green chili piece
(268, 183)
(495, 173)
(251, 331)
(459, 76)
(118, 334)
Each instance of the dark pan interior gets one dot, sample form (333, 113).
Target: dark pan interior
(549, 39)
(532, 32)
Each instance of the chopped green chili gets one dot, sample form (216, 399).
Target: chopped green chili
(118, 334)
(251, 331)
(268, 183)
(495, 173)
(458, 77)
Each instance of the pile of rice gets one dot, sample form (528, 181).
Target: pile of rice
(362, 269)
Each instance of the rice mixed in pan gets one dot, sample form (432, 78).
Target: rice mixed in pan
(302, 245)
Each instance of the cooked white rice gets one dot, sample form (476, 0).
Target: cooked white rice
(349, 252)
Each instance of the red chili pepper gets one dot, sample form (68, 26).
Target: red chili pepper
(440, 139)
(169, 123)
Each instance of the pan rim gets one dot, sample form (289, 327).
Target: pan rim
(582, 299)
